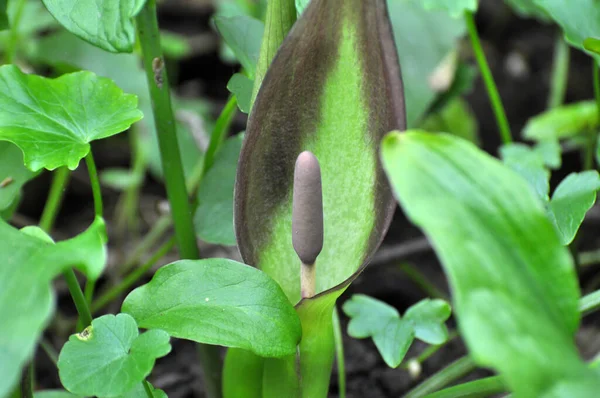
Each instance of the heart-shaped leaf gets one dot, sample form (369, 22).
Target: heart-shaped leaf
(30, 262)
(53, 120)
(392, 334)
(218, 301)
(514, 286)
(108, 358)
(107, 24)
(333, 81)
(13, 174)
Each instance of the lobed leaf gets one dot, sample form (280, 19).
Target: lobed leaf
(333, 79)
(30, 261)
(562, 122)
(54, 120)
(13, 174)
(108, 358)
(514, 286)
(106, 24)
(217, 301)
(571, 200)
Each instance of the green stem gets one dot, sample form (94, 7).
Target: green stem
(129, 201)
(181, 211)
(421, 280)
(430, 350)
(148, 389)
(457, 369)
(95, 182)
(54, 200)
(49, 350)
(473, 389)
(488, 79)
(589, 303)
(27, 382)
(339, 352)
(147, 27)
(560, 72)
(160, 227)
(133, 277)
(13, 38)
(81, 303)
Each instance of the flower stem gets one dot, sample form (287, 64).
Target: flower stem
(181, 210)
(560, 72)
(488, 79)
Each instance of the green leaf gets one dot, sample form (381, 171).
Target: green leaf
(530, 165)
(550, 151)
(438, 35)
(336, 84)
(53, 394)
(373, 318)
(528, 9)
(242, 374)
(30, 262)
(214, 215)
(243, 34)
(562, 122)
(455, 118)
(4, 24)
(241, 87)
(301, 5)
(514, 286)
(578, 22)
(140, 392)
(456, 8)
(571, 199)
(110, 357)
(174, 45)
(64, 114)
(13, 174)
(218, 301)
(119, 179)
(106, 24)
(392, 334)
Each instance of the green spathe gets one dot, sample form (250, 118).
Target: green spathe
(65, 114)
(502, 256)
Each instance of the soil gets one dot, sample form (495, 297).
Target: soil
(508, 41)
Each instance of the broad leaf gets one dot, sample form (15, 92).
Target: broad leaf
(514, 284)
(438, 35)
(217, 301)
(578, 21)
(528, 8)
(13, 174)
(107, 24)
(562, 122)
(243, 34)
(530, 165)
(213, 219)
(392, 334)
(110, 357)
(335, 81)
(241, 87)
(571, 199)
(63, 114)
(30, 262)
(455, 8)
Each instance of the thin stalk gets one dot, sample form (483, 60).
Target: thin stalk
(156, 73)
(339, 353)
(560, 72)
(473, 389)
(132, 278)
(421, 280)
(160, 227)
(49, 350)
(129, 200)
(95, 182)
(148, 389)
(54, 200)
(457, 369)
(589, 303)
(488, 79)
(430, 350)
(81, 303)
(13, 38)
(181, 210)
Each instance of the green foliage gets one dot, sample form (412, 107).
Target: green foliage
(392, 334)
(53, 394)
(438, 34)
(108, 358)
(301, 5)
(240, 86)
(571, 199)
(243, 34)
(30, 261)
(550, 151)
(503, 257)
(562, 122)
(65, 113)
(104, 23)
(140, 392)
(528, 8)
(457, 118)
(455, 8)
(530, 165)
(119, 179)
(214, 215)
(4, 24)
(217, 301)
(13, 174)
(578, 21)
